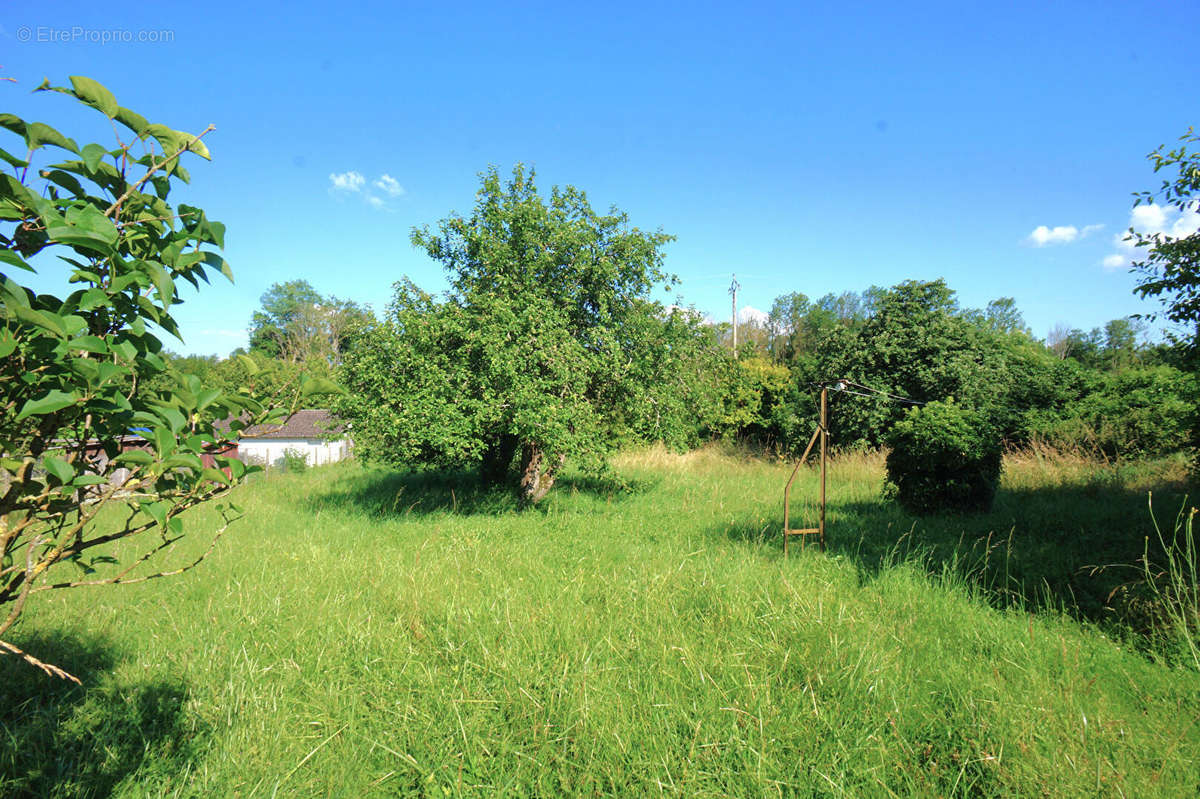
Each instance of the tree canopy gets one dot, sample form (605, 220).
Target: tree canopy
(535, 352)
(298, 325)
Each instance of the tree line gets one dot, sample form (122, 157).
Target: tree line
(548, 346)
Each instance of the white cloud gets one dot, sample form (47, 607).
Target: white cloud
(389, 185)
(1149, 220)
(375, 193)
(347, 181)
(1044, 235)
(751, 314)
(1113, 262)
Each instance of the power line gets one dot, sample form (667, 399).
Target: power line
(842, 385)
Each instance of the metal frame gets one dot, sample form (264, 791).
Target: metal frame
(821, 432)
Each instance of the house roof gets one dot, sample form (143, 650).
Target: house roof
(307, 423)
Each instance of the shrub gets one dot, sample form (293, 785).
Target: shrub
(944, 457)
(295, 460)
(1142, 412)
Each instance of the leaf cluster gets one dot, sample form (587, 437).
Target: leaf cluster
(92, 413)
(944, 457)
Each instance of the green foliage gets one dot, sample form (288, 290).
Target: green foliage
(1104, 391)
(672, 391)
(1131, 413)
(751, 387)
(1171, 268)
(914, 344)
(298, 325)
(259, 376)
(295, 460)
(944, 457)
(81, 372)
(546, 330)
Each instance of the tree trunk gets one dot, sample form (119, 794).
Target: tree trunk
(537, 472)
(497, 460)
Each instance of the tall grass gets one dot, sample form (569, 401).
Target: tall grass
(373, 634)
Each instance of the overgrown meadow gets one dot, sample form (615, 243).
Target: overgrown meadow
(368, 633)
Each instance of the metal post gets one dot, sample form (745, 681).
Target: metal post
(824, 457)
(733, 290)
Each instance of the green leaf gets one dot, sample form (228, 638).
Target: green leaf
(73, 325)
(11, 258)
(85, 227)
(248, 364)
(135, 457)
(164, 441)
(53, 400)
(93, 154)
(235, 466)
(95, 95)
(185, 459)
(206, 398)
(93, 344)
(59, 468)
(93, 298)
(39, 134)
(43, 319)
(66, 180)
(156, 511)
(126, 350)
(12, 159)
(320, 385)
(175, 420)
(162, 281)
(14, 124)
(132, 120)
(170, 140)
(216, 476)
(8, 344)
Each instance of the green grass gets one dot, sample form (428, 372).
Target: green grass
(369, 634)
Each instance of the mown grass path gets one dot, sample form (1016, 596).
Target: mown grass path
(368, 634)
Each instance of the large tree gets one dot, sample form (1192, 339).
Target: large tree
(532, 355)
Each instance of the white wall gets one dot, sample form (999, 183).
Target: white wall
(270, 451)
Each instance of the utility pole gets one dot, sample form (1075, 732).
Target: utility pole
(733, 290)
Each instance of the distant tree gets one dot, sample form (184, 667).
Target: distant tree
(546, 329)
(1058, 340)
(1002, 316)
(1121, 347)
(298, 325)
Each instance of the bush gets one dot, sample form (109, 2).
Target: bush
(944, 457)
(295, 460)
(1141, 412)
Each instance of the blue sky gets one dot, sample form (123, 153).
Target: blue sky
(805, 147)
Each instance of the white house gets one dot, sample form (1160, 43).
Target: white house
(312, 432)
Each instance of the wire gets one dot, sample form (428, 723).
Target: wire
(841, 387)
